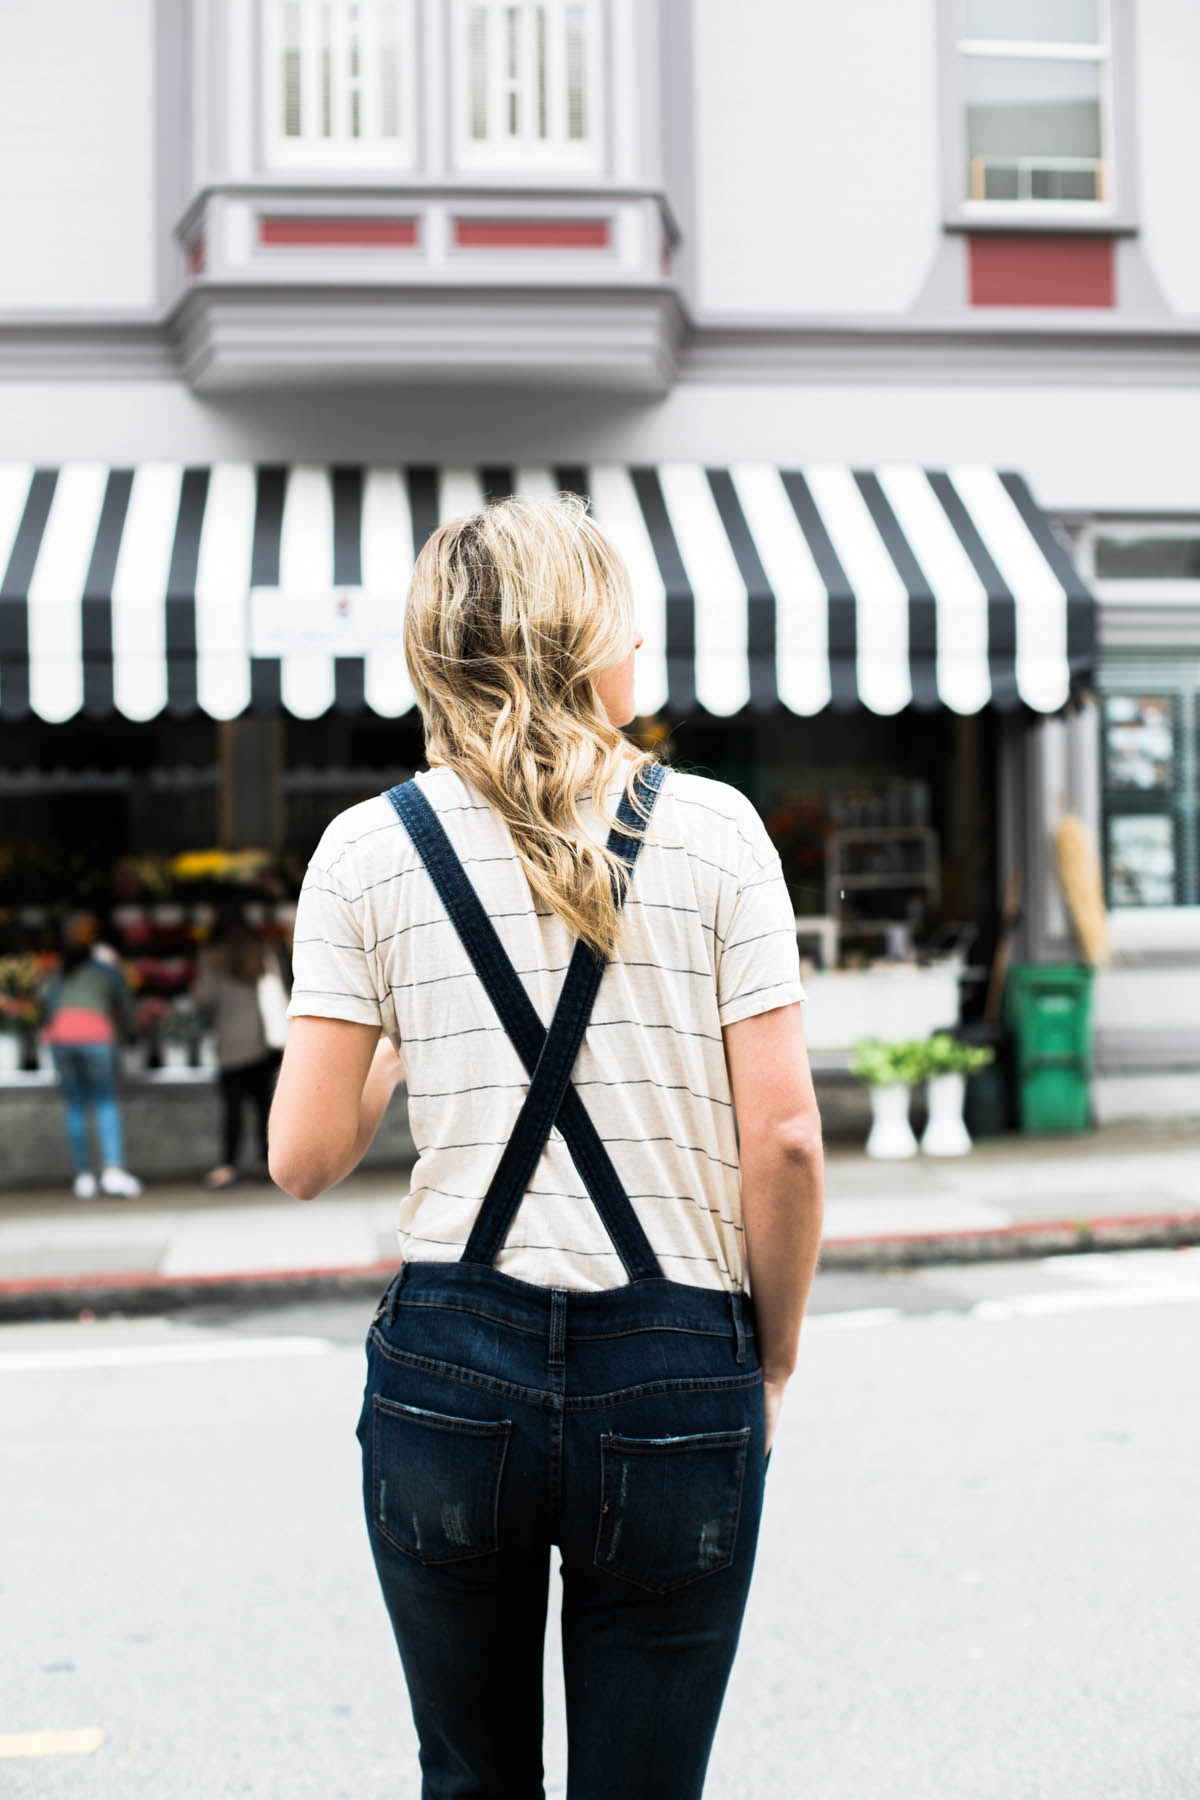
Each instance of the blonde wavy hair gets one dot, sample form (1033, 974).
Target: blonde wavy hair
(511, 615)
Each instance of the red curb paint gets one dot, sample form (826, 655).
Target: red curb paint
(65, 1284)
(532, 234)
(354, 234)
(1095, 1228)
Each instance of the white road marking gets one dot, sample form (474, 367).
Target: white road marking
(1076, 1300)
(852, 1320)
(51, 1743)
(132, 1355)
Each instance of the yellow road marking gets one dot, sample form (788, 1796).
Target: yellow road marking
(51, 1743)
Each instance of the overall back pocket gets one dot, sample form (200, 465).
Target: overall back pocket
(669, 1506)
(435, 1481)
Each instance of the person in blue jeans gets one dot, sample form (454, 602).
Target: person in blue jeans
(86, 1010)
(588, 964)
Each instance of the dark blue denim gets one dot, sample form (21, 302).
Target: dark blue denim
(624, 1426)
(501, 1418)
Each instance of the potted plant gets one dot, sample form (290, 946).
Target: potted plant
(889, 1071)
(946, 1063)
(179, 1031)
(12, 1018)
(20, 980)
(149, 1014)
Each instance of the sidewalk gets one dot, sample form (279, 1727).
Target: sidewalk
(1119, 1187)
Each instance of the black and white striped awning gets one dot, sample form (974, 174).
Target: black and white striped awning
(231, 586)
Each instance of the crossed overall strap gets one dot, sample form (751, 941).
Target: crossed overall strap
(548, 1055)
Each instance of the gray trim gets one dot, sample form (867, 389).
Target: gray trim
(676, 87)
(1126, 1052)
(1133, 625)
(174, 100)
(66, 349)
(1084, 349)
(944, 297)
(274, 186)
(1123, 216)
(623, 338)
(107, 346)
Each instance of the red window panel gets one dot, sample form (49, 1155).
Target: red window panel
(355, 234)
(532, 234)
(1040, 269)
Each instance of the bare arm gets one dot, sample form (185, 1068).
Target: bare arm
(779, 1134)
(334, 1086)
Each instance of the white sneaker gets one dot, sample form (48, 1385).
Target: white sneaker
(120, 1183)
(85, 1186)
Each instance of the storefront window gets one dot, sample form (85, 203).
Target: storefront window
(1146, 556)
(1150, 798)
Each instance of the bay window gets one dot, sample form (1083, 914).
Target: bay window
(528, 84)
(338, 87)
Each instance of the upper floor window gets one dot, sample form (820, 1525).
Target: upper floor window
(528, 84)
(338, 83)
(1036, 86)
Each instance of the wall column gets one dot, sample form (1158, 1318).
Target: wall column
(251, 805)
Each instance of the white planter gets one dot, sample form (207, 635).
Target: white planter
(45, 1057)
(10, 1052)
(945, 1134)
(175, 1055)
(208, 1052)
(133, 1058)
(891, 1136)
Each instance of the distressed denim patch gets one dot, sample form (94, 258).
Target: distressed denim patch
(669, 1506)
(436, 1481)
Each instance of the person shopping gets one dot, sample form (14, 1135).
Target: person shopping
(87, 1010)
(233, 969)
(588, 962)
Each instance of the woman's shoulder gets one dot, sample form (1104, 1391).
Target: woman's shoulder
(358, 834)
(711, 813)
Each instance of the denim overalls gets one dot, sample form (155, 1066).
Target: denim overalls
(499, 1418)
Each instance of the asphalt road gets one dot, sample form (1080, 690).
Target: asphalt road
(978, 1576)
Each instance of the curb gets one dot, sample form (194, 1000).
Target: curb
(1044, 1237)
(41, 1297)
(44, 1298)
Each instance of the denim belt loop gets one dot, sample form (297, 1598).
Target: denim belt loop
(739, 1325)
(397, 1284)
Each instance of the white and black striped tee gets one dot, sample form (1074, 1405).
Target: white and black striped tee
(708, 938)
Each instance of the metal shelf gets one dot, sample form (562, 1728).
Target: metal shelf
(839, 880)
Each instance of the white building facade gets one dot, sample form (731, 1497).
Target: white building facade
(785, 289)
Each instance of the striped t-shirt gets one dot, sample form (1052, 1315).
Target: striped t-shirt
(708, 937)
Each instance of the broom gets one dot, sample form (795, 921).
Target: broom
(1079, 877)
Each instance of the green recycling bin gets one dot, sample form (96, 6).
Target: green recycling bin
(1049, 1010)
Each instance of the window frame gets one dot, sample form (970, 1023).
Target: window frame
(313, 154)
(556, 156)
(1180, 802)
(1182, 588)
(1116, 213)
